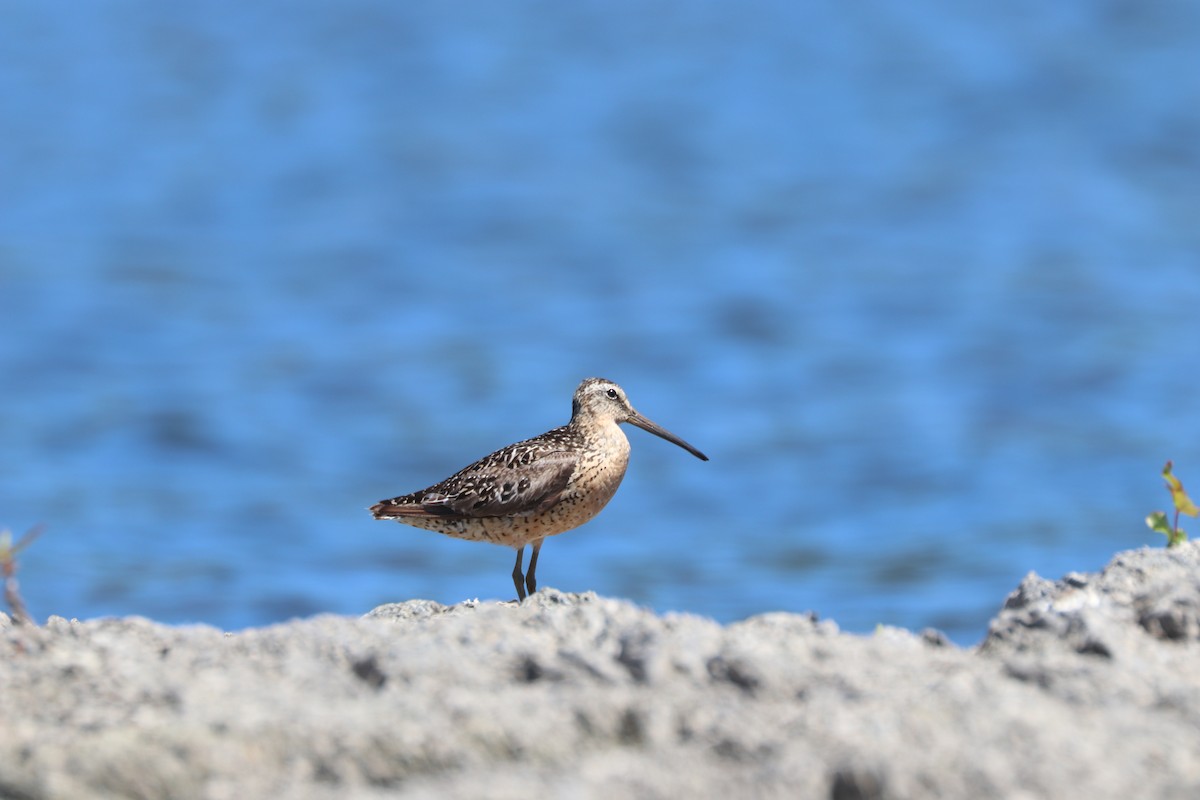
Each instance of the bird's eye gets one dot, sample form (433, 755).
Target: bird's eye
(612, 393)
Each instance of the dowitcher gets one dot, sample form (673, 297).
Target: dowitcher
(540, 487)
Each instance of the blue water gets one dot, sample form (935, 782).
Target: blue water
(921, 280)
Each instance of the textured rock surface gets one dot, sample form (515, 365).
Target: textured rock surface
(1084, 687)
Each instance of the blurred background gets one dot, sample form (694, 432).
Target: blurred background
(921, 280)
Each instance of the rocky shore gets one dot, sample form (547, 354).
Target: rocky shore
(1084, 687)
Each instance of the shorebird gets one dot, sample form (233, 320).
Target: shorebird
(540, 487)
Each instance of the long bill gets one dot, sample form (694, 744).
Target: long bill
(662, 433)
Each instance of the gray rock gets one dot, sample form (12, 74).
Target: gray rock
(1083, 687)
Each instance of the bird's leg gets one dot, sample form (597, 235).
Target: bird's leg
(531, 581)
(518, 578)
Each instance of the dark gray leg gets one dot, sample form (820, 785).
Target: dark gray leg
(530, 581)
(518, 578)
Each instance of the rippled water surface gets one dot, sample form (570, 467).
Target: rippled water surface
(922, 282)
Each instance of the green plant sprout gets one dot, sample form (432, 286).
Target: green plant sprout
(1183, 505)
(8, 567)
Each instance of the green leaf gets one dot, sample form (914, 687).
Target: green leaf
(1157, 522)
(1183, 503)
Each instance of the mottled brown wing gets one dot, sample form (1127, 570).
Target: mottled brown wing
(490, 488)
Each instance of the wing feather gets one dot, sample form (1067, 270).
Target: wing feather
(498, 486)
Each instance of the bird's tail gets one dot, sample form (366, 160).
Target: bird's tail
(387, 509)
(405, 506)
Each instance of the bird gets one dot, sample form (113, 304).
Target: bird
(539, 487)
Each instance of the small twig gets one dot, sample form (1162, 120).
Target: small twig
(8, 565)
